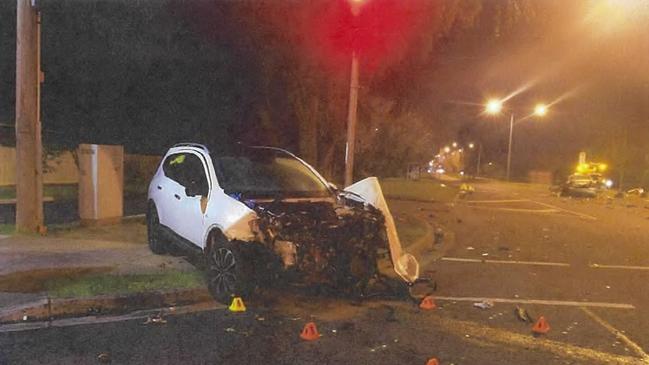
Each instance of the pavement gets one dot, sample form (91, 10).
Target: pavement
(582, 264)
(73, 251)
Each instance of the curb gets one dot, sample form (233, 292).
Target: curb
(48, 309)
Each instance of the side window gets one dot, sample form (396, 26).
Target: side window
(187, 170)
(194, 175)
(171, 167)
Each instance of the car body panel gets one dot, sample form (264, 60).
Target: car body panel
(193, 218)
(405, 265)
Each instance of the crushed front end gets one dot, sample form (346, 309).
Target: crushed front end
(328, 242)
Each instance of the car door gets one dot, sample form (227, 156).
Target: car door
(169, 188)
(190, 200)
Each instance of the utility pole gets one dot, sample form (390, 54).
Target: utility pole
(351, 122)
(29, 165)
(477, 170)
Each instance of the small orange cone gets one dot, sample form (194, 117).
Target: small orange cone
(432, 361)
(310, 332)
(541, 326)
(237, 305)
(428, 303)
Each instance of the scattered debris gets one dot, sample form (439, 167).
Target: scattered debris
(155, 319)
(471, 248)
(438, 236)
(485, 304)
(432, 361)
(523, 315)
(104, 358)
(230, 329)
(485, 254)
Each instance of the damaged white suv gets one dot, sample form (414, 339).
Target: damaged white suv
(261, 211)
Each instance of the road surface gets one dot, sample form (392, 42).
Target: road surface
(583, 265)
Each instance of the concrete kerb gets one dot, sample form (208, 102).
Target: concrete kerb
(50, 308)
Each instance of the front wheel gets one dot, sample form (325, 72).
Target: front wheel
(228, 273)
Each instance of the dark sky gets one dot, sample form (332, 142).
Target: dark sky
(150, 73)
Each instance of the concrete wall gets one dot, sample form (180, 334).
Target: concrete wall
(62, 169)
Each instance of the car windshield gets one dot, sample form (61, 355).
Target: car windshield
(264, 173)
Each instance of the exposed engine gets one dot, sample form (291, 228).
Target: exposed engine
(325, 242)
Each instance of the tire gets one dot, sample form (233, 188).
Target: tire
(229, 271)
(155, 239)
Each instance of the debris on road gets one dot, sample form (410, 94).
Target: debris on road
(104, 358)
(523, 315)
(438, 236)
(155, 319)
(432, 361)
(470, 248)
(485, 304)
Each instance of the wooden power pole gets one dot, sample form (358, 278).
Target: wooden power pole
(29, 165)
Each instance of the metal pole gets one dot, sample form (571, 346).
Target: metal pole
(509, 150)
(477, 170)
(351, 122)
(29, 166)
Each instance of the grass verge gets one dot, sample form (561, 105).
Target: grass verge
(423, 189)
(410, 229)
(101, 284)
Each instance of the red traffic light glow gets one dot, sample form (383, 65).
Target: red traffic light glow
(379, 32)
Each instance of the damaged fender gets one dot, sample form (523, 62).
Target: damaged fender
(405, 264)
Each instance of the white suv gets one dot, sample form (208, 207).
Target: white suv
(260, 211)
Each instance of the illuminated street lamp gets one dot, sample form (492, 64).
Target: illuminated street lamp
(495, 106)
(454, 144)
(447, 149)
(471, 145)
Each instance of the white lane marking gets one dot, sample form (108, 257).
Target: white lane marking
(497, 201)
(621, 336)
(520, 210)
(581, 215)
(541, 302)
(511, 262)
(624, 267)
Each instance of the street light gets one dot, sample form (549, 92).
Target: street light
(494, 106)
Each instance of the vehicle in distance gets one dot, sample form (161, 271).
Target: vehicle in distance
(260, 213)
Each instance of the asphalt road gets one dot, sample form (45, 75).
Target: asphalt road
(583, 265)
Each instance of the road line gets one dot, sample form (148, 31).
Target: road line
(511, 262)
(519, 210)
(624, 267)
(582, 215)
(497, 201)
(621, 336)
(565, 303)
(526, 342)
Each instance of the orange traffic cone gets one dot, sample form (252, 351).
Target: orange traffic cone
(310, 332)
(432, 361)
(237, 305)
(428, 303)
(541, 326)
